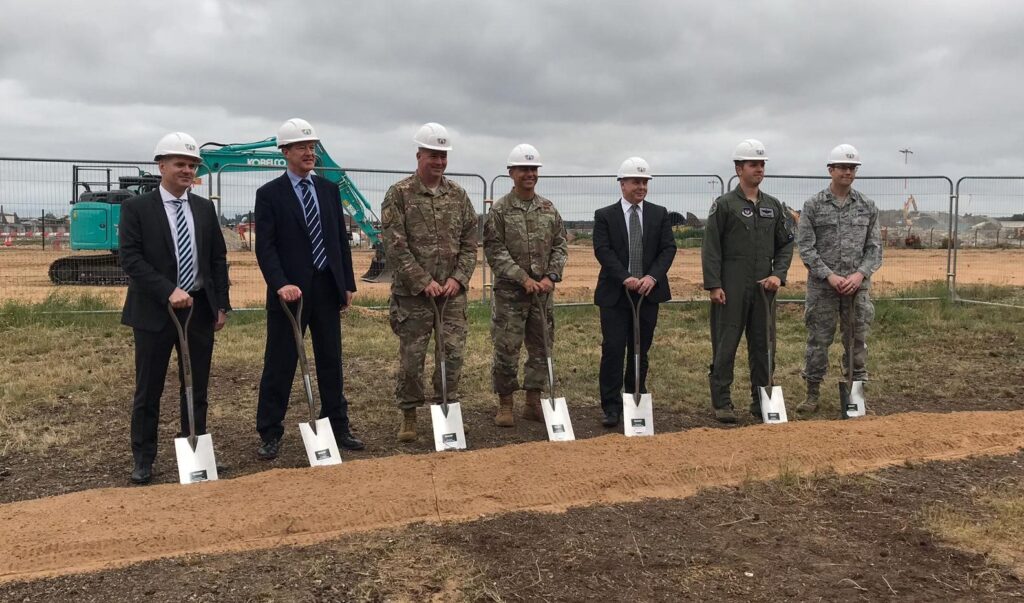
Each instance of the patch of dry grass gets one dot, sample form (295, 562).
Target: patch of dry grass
(993, 525)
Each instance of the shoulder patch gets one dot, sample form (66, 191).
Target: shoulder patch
(714, 208)
(387, 215)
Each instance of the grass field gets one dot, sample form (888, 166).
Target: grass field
(65, 394)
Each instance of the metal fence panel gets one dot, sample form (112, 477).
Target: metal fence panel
(914, 216)
(989, 246)
(237, 193)
(578, 196)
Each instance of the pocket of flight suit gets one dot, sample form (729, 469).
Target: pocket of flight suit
(396, 316)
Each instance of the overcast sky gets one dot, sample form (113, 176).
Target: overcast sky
(588, 83)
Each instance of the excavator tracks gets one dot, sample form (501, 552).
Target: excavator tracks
(104, 270)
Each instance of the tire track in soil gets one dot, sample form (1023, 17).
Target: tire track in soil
(112, 527)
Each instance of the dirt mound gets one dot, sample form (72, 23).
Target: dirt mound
(114, 527)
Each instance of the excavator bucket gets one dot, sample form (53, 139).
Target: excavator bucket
(378, 272)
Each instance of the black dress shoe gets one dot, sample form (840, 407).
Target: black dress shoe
(142, 474)
(349, 442)
(268, 451)
(611, 419)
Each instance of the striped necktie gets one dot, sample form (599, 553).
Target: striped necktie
(186, 263)
(316, 232)
(636, 243)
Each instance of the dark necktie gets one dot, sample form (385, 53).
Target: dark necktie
(636, 243)
(316, 232)
(186, 263)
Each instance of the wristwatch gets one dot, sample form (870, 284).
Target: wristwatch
(553, 277)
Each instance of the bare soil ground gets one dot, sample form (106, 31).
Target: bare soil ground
(797, 538)
(23, 274)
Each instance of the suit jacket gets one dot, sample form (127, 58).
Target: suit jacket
(148, 258)
(284, 250)
(611, 246)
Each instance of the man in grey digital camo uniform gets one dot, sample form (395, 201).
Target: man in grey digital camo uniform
(525, 245)
(841, 245)
(429, 229)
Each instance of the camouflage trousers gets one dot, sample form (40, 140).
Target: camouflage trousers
(515, 318)
(824, 308)
(412, 319)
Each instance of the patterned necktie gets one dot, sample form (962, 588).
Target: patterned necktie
(636, 243)
(186, 263)
(316, 233)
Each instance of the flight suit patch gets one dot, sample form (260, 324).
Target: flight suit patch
(766, 212)
(747, 212)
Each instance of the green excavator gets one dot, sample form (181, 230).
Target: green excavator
(95, 214)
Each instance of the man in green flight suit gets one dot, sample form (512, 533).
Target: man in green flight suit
(748, 245)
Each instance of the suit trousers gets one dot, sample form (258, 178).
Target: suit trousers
(152, 353)
(321, 313)
(616, 337)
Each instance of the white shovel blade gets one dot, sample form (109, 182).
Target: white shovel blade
(638, 419)
(449, 433)
(857, 406)
(196, 466)
(773, 406)
(557, 420)
(321, 447)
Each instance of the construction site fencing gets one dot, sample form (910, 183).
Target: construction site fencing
(577, 196)
(989, 227)
(969, 235)
(236, 191)
(914, 216)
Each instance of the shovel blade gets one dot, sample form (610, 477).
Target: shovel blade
(449, 434)
(851, 402)
(773, 405)
(557, 420)
(199, 465)
(321, 447)
(637, 416)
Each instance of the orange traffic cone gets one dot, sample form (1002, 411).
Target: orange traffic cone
(8, 242)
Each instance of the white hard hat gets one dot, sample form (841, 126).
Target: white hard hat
(750, 150)
(634, 167)
(177, 143)
(524, 155)
(433, 136)
(295, 130)
(844, 153)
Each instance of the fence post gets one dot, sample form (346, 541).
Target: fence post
(931, 235)
(248, 232)
(42, 225)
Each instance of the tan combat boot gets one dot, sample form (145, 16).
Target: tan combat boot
(505, 418)
(810, 404)
(407, 432)
(532, 410)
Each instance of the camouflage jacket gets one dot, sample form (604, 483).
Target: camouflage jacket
(524, 239)
(428, 236)
(837, 239)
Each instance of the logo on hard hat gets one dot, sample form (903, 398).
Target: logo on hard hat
(850, 156)
(442, 141)
(641, 169)
(759, 151)
(528, 157)
(307, 131)
(190, 147)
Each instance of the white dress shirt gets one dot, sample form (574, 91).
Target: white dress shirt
(172, 219)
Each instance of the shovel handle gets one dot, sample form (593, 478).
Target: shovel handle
(300, 347)
(851, 325)
(769, 336)
(636, 342)
(439, 350)
(542, 305)
(186, 368)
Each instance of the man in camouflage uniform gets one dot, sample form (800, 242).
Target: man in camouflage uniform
(430, 239)
(748, 245)
(525, 245)
(841, 245)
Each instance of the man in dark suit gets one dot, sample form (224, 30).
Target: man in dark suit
(172, 250)
(633, 243)
(303, 251)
